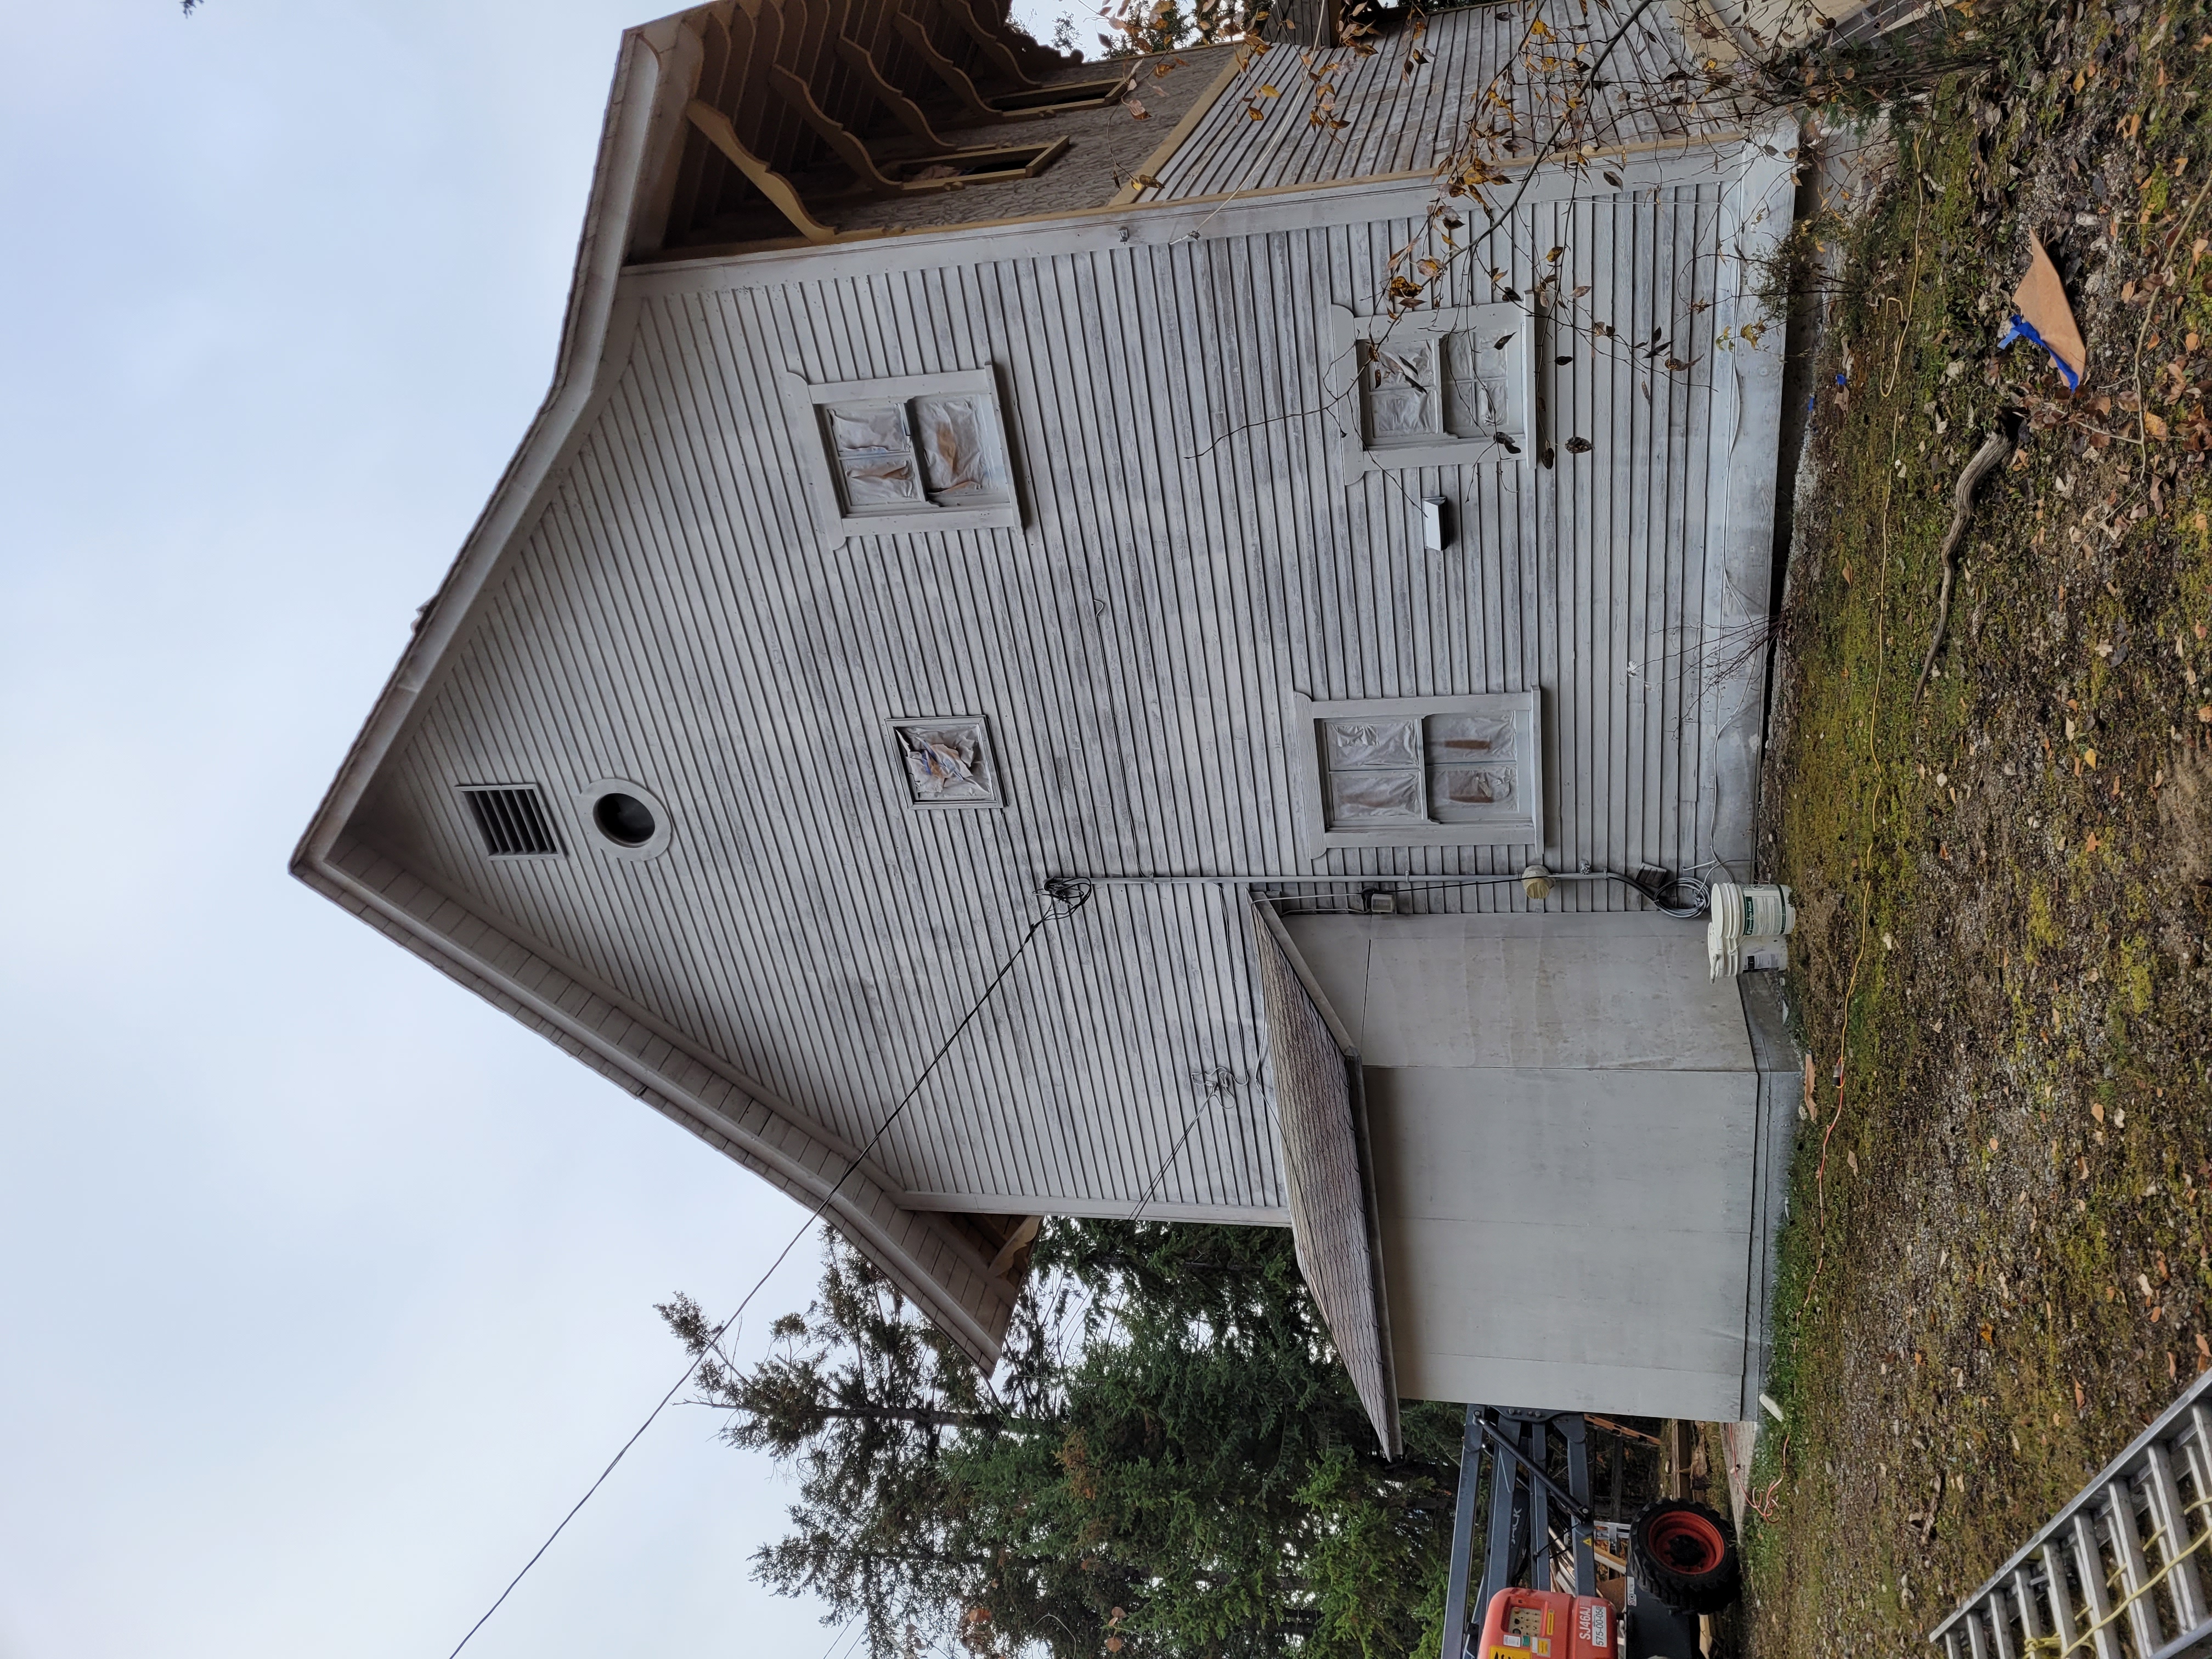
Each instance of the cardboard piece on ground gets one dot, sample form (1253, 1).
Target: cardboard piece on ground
(2041, 314)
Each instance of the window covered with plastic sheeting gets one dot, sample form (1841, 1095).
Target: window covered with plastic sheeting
(1374, 770)
(948, 762)
(955, 463)
(1478, 382)
(895, 457)
(1452, 387)
(1441, 388)
(915, 453)
(875, 456)
(1411, 771)
(1400, 386)
(1473, 775)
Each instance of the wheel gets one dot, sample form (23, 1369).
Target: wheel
(1685, 1554)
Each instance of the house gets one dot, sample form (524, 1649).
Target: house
(991, 556)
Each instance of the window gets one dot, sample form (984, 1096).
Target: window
(948, 762)
(1420, 772)
(920, 452)
(1439, 388)
(892, 457)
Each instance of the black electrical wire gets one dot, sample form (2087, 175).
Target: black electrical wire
(1689, 895)
(839, 1637)
(1067, 894)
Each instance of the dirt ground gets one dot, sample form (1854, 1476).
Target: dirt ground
(1997, 1266)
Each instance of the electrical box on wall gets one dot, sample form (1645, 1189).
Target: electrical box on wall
(1435, 522)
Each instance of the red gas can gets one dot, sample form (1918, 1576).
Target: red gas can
(1526, 1624)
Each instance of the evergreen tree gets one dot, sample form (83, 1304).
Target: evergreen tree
(1169, 1462)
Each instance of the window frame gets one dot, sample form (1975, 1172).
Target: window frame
(1350, 333)
(1307, 771)
(895, 729)
(805, 404)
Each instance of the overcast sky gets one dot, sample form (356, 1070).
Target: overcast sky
(324, 1288)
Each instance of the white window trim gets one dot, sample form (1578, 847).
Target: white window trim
(1349, 332)
(997, 803)
(804, 403)
(1316, 837)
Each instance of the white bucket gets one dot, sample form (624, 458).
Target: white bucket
(1750, 925)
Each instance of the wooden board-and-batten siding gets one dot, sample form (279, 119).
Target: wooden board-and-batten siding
(663, 605)
(676, 617)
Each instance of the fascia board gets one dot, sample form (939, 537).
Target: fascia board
(1100, 1209)
(1708, 158)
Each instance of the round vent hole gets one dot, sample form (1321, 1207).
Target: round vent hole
(623, 819)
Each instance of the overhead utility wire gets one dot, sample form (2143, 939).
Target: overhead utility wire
(1067, 896)
(838, 1639)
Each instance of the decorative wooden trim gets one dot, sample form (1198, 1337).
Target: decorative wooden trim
(994, 47)
(849, 150)
(1023, 161)
(765, 178)
(1182, 130)
(908, 114)
(954, 77)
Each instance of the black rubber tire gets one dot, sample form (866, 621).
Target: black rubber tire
(1686, 1591)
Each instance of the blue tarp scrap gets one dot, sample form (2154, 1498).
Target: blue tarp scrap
(2020, 329)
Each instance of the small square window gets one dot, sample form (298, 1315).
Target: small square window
(1417, 772)
(948, 762)
(915, 454)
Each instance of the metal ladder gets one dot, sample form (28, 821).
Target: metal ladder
(1512, 1445)
(2116, 1574)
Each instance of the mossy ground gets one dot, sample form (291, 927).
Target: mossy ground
(1995, 1269)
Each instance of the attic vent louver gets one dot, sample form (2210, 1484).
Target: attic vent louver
(511, 819)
